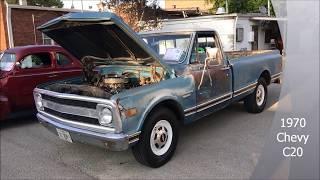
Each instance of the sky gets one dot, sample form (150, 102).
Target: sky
(91, 4)
(87, 4)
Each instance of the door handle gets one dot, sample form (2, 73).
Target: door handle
(225, 68)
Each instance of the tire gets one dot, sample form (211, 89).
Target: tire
(162, 126)
(256, 102)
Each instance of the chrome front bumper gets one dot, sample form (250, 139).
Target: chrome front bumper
(110, 141)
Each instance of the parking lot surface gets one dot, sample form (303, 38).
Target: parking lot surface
(226, 144)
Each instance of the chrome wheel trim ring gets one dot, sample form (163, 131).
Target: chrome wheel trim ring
(260, 95)
(161, 137)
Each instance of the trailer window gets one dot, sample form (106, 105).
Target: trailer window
(239, 34)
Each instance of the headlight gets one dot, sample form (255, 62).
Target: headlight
(38, 101)
(105, 115)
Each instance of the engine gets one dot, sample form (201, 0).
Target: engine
(114, 83)
(103, 82)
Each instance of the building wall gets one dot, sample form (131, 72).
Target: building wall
(247, 25)
(3, 27)
(202, 4)
(23, 26)
(262, 44)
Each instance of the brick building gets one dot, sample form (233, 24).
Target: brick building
(18, 24)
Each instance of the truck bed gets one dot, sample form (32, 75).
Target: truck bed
(235, 55)
(249, 65)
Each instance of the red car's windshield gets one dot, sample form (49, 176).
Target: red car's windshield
(7, 60)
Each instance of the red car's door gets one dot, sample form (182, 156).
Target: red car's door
(34, 69)
(66, 65)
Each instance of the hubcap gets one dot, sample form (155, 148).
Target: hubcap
(161, 137)
(260, 95)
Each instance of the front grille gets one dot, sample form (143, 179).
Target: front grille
(70, 102)
(72, 117)
(71, 109)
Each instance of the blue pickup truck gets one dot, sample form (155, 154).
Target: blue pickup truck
(137, 89)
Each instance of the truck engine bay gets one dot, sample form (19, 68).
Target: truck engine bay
(103, 79)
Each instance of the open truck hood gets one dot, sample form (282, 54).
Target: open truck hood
(103, 35)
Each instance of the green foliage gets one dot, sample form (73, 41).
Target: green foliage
(240, 6)
(12, 1)
(45, 3)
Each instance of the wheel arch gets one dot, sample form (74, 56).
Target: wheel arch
(169, 103)
(266, 75)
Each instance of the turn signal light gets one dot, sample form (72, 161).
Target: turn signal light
(131, 112)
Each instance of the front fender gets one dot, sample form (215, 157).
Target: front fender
(145, 98)
(152, 105)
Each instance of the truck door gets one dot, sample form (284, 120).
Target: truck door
(210, 70)
(222, 73)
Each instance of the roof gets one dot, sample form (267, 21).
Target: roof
(268, 18)
(15, 6)
(253, 16)
(31, 47)
(179, 30)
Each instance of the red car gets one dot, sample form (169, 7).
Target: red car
(23, 68)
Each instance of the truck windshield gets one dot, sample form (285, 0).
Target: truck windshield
(7, 61)
(172, 48)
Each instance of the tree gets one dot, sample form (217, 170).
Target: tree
(138, 14)
(240, 6)
(46, 3)
(12, 1)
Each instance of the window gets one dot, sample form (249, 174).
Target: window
(46, 40)
(7, 61)
(205, 47)
(172, 48)
(62, 60)
(38, 60)
(239, 34)
(267, 36)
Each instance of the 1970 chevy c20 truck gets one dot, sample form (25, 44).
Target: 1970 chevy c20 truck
(137, 89)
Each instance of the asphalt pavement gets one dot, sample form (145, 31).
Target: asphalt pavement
(226, 144)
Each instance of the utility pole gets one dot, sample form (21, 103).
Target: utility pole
(269, 8)
(227, 7)
(34, 30)
(72, 5)
(81, 5)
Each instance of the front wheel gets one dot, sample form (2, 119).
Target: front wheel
(256, 102)
(158, 139)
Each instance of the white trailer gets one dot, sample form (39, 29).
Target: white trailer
(237, 31)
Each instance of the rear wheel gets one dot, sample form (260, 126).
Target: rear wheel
(158, 139)
(256, 102)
